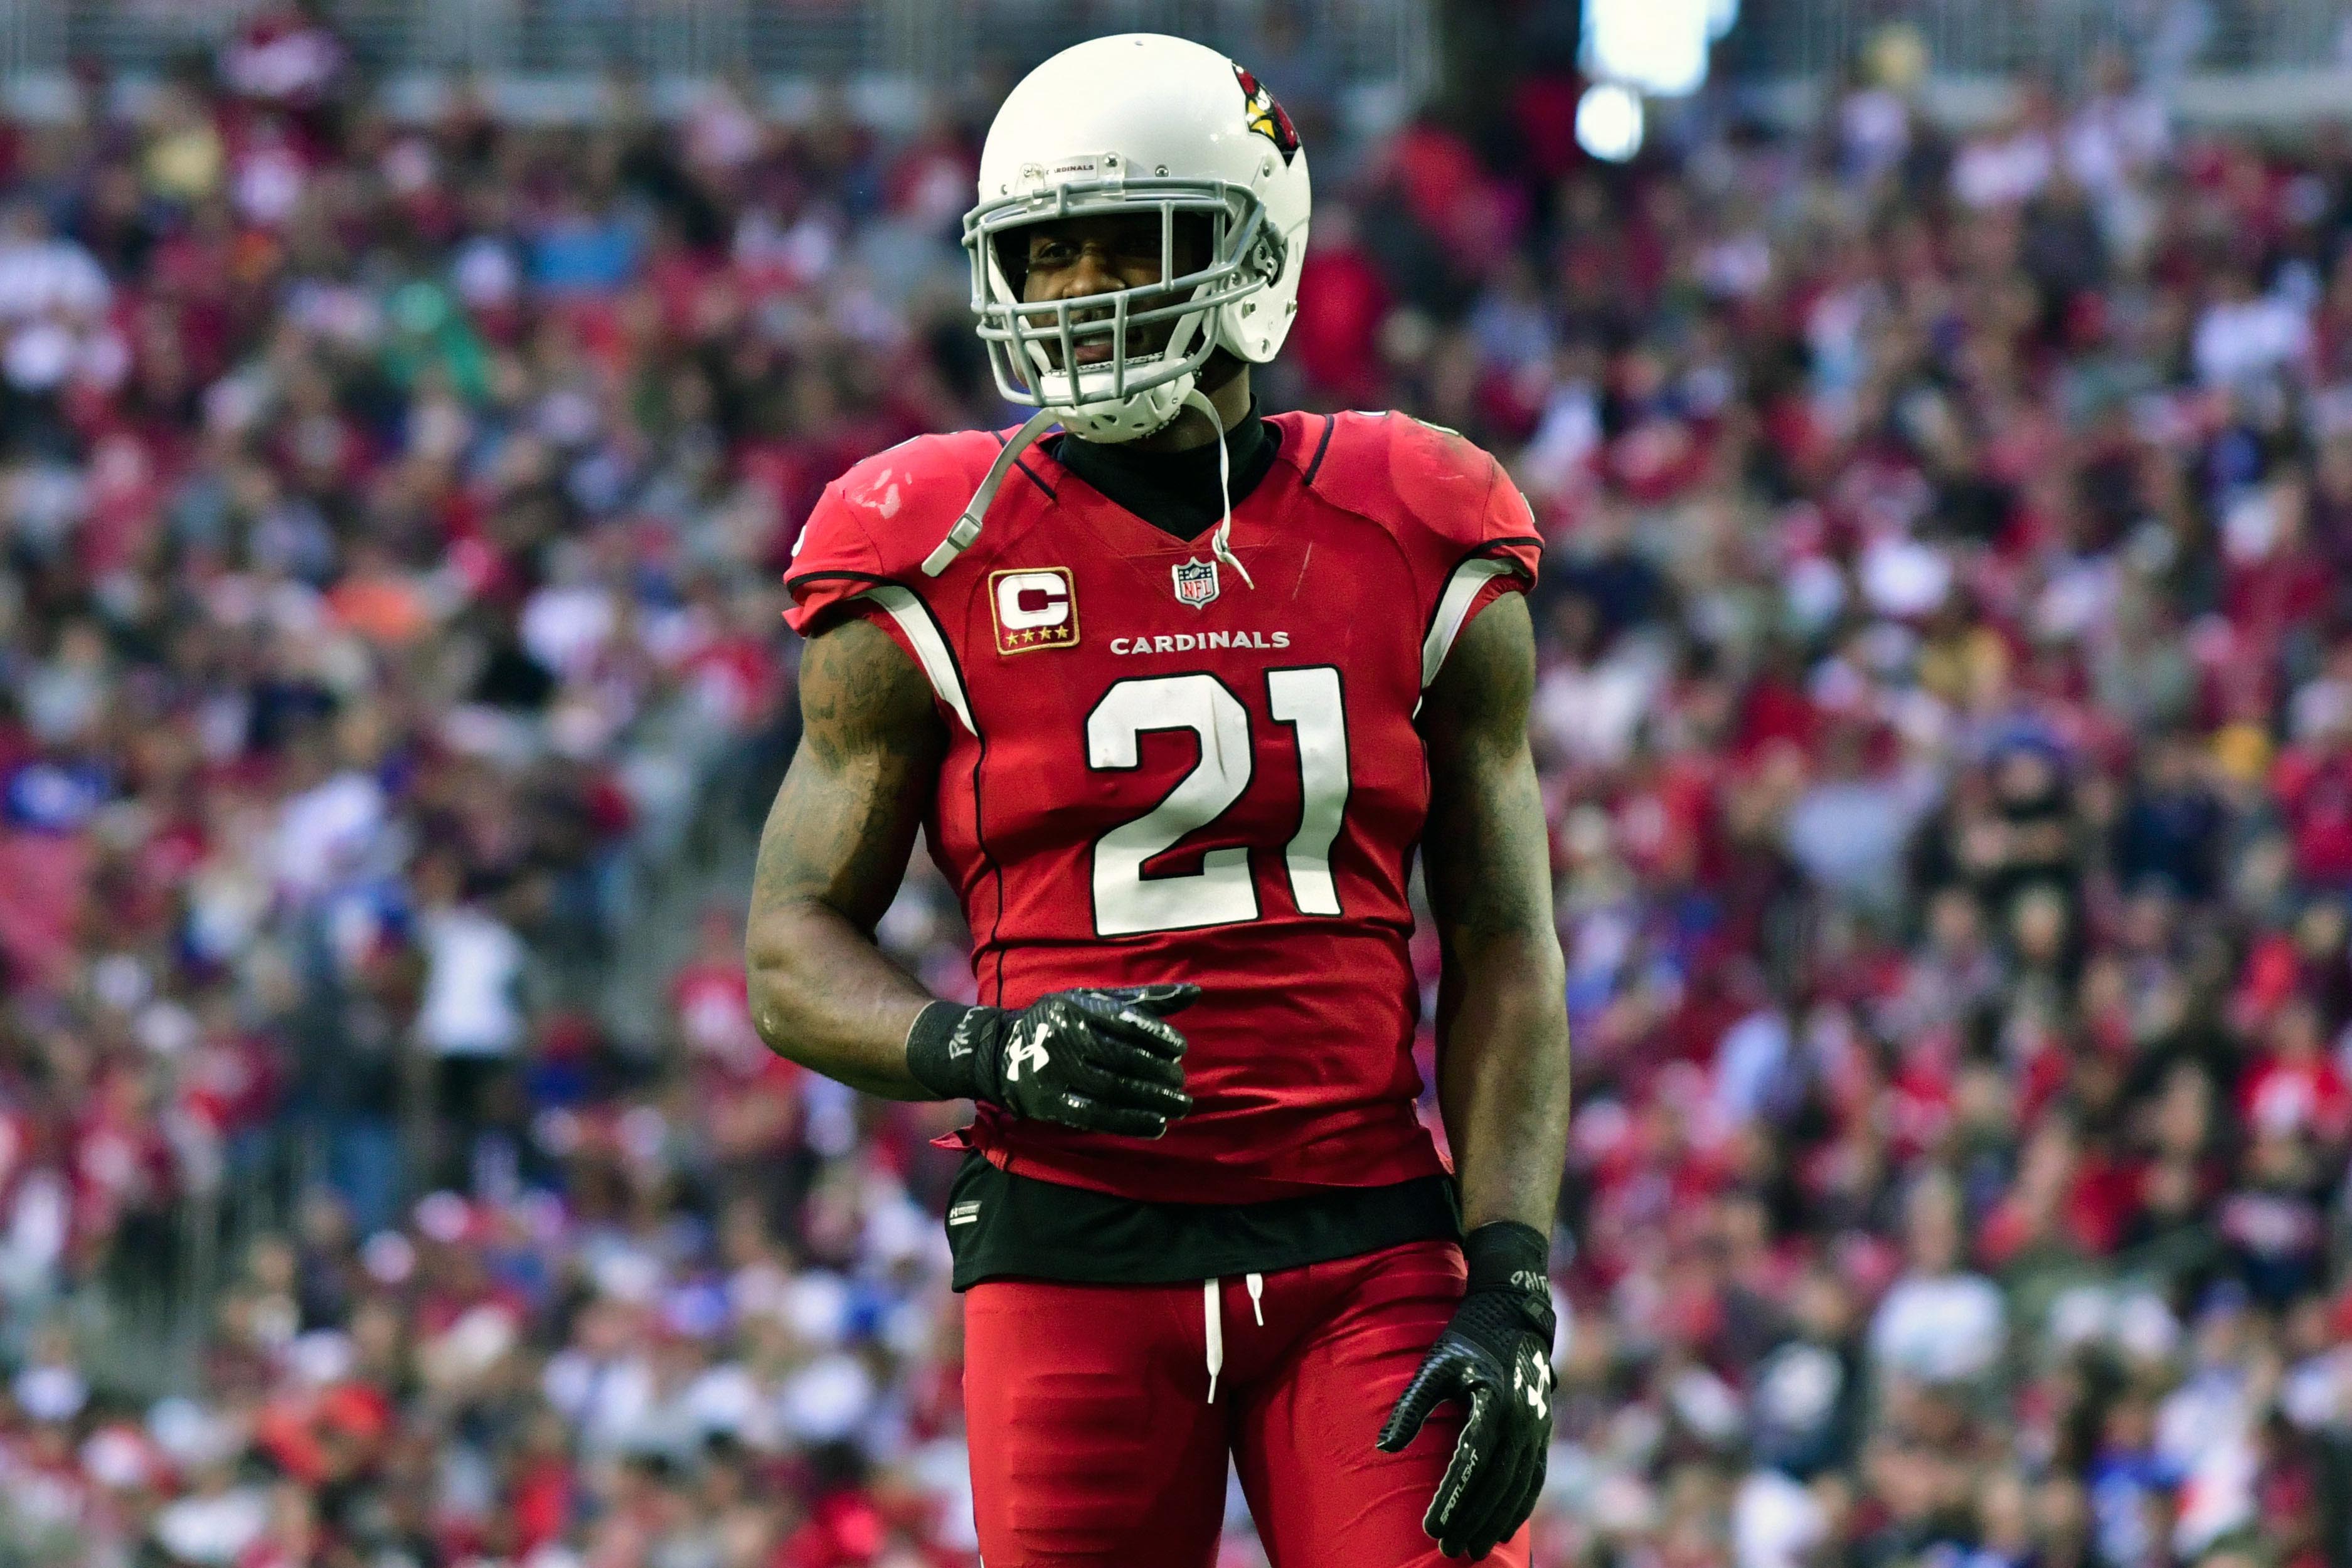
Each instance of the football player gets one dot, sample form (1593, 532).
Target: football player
(1175, 695)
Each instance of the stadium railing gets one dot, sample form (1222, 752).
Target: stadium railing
(2165, 40)
(929, 40)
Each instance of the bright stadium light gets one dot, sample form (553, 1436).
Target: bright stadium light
(1658, 46)
(1609, 122)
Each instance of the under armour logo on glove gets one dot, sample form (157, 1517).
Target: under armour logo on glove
(1103, 1061)
(1027, 1050)
(1531, 1380)
(1494, 1358)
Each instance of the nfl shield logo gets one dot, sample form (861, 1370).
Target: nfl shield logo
(1196, 581)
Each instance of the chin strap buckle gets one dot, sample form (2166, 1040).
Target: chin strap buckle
(958, 539)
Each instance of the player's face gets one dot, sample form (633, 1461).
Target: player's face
(1073, 258)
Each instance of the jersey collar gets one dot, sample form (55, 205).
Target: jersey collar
(1175, 492)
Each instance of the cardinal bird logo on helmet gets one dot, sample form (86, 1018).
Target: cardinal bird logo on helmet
(1267, 117)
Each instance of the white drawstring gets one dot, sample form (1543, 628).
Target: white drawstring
(1213, 1325)
(1212, 1322)
(1221, 543)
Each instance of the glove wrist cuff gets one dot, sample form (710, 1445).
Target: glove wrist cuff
(942, 1052)
(1508, 1259)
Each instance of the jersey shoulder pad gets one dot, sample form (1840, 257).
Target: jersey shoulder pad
(1464, 531)
(877, 522)
(1426, 484)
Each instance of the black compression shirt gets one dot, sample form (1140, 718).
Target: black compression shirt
(1175, 492)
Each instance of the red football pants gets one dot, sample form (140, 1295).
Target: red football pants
(1095, 1442)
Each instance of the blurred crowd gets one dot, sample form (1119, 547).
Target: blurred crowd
(1945, 719)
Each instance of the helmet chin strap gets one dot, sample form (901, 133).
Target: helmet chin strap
(967, 527)
(1221, 543)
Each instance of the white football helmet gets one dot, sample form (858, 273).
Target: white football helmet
(1139, 122)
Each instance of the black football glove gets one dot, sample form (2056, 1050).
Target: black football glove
(1494, 1356)
(1098, 1060)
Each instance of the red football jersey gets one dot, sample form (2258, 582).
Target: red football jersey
(1158, 772)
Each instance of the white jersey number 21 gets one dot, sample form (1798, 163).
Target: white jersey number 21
(1128, 902)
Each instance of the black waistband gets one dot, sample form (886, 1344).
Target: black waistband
(1002, 1225)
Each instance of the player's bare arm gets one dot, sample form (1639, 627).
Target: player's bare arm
(831, 858)
(1502, 1013)
(1503, 1080)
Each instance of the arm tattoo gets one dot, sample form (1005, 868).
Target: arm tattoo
(831, 855)
(845, 819)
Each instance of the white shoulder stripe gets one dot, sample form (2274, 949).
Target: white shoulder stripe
(1453, 608)
(930, 648)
